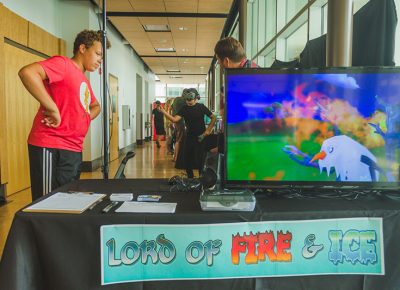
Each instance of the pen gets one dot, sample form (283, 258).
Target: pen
(96, 203)
(85, 192)
(109, 207)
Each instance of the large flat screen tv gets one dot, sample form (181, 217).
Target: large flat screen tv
(336, 127)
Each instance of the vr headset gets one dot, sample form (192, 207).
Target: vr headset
(190, 94)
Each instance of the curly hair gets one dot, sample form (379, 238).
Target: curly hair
(88, 37)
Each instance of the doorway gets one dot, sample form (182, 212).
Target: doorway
(114, 148)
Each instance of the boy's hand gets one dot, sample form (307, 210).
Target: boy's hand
(52, 118)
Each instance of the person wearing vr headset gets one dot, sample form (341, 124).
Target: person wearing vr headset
(193, 113)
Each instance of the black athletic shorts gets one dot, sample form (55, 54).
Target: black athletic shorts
(51, 168)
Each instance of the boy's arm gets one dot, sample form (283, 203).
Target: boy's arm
(32, 76)
(94, 109)
(173, 119)
(211, 125)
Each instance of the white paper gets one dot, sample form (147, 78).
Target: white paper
(152, 207)
(75, 202)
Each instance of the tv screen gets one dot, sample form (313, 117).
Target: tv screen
(331, 127)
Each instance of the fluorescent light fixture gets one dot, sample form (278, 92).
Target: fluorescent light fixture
(173, 70)
(165, 49)
(156, 28)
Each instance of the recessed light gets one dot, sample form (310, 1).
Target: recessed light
(185, 49)
(183, 28)
(156, 28)
(165, 49)
(202, 67)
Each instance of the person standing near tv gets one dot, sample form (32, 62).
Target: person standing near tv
(193, 113)
(230, 54)
(67, 106)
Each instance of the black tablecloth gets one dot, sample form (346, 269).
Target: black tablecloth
(62, 251)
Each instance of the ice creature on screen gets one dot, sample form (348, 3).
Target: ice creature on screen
(350, 160)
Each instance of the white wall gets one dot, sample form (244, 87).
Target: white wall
(66, 18)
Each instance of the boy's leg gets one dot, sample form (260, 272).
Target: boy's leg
(41, 163)
(68, 167)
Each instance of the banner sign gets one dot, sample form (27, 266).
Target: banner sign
(241, 250)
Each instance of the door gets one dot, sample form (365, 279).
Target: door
(114, 148)
(21, 109)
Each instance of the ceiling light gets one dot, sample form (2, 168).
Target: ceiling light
(202, 67)
(173, 70)
(175, 77)
(182, 28)
(165, 49)
(156, 28)
(185, 49)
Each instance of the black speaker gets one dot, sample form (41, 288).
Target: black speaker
(211, 174)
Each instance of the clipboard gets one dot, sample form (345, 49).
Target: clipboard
(66, 202)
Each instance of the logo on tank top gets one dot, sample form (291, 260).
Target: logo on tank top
(84, 94)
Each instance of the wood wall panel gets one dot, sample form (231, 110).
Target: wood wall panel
(14, 27)
(41, 40)
(21, 108)
(62, 47)
(17, 106)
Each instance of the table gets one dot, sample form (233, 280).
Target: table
(42, 250)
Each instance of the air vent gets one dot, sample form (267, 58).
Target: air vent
(156, 28)
(173, 70)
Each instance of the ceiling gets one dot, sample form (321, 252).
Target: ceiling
(195, 26)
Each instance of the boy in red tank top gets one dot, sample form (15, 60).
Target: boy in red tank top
(67, 105)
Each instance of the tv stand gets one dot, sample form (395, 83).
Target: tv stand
(221, 199)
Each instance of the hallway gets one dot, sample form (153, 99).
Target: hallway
(149, 162)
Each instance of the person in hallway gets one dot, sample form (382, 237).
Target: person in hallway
(158, 123)
(230, 54)
(193, 113)
(67, 106)
(169, 128)
(178, 104)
